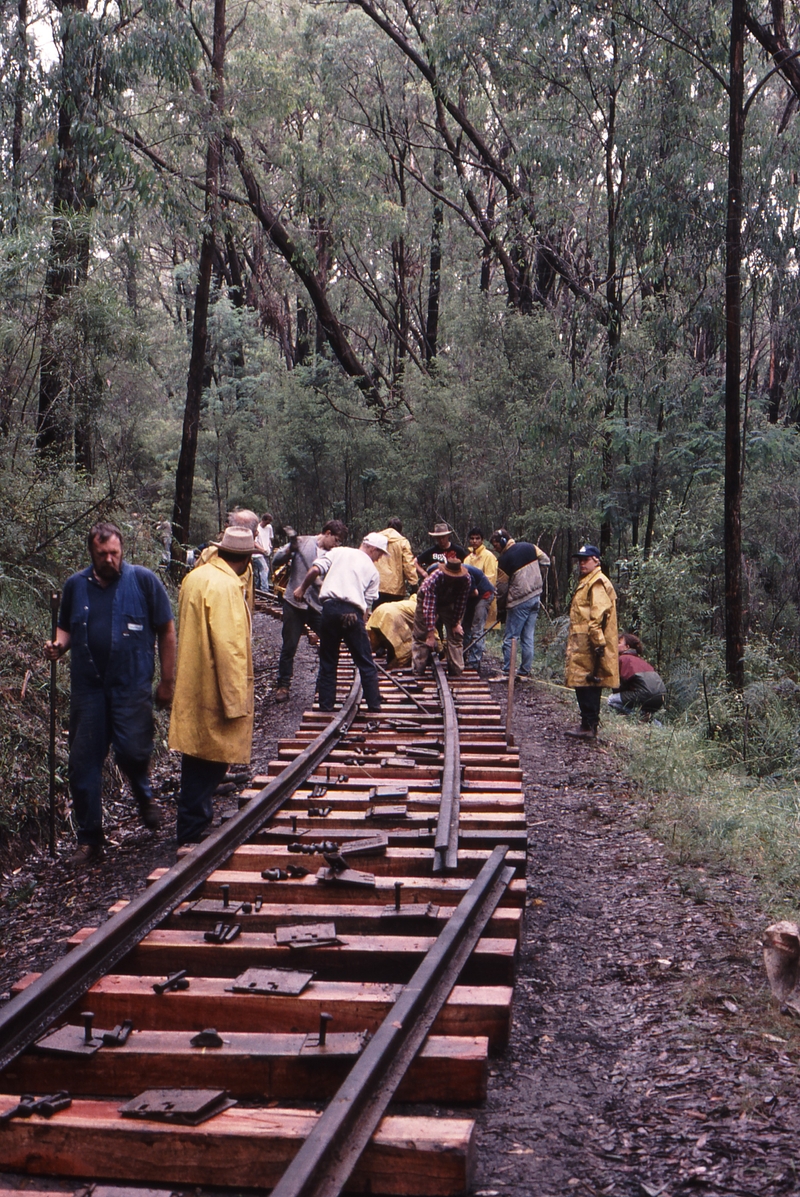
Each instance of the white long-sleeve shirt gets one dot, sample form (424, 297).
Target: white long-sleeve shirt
(348, 575)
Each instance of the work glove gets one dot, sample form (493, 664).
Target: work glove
(594, 678)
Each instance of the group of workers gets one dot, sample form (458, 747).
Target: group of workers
(113, 615)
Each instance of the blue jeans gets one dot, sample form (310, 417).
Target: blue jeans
(199, 780)
(331, 634)
(260, 572)
(521, 625)
(474, 623)
(98, 719)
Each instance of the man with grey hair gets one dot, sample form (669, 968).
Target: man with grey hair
(243, 517)
(240, 517)
(350, 585)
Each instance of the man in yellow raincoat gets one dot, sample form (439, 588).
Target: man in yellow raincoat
(397, 567)
(390, 626)
(592, 660)
(485, 560)
(212, 713)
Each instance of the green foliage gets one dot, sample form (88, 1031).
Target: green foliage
(708, 809)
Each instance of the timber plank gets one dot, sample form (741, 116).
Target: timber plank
(358, 958)
(440, 890)
(244, 886)
(505, 922)
(469, 1010)
(392, 862)
(478, 773)
(418, 790)
(511, 833)
(251, 1066)
(406, 1155)
(344, 802)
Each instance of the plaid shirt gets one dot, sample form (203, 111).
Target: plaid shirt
(443, 590)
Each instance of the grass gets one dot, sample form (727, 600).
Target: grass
(709, 814)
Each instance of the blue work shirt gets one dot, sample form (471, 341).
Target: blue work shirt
(480, 582)
(113, 628)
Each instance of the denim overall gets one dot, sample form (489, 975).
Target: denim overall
(116, 711)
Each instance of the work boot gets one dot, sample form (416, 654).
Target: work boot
(281, 694)
(582, 733)
(151, 815)
(87, 854)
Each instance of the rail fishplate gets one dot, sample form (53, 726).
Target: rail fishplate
(265, 981)
(187, 1107)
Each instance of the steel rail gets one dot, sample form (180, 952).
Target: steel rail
(28, 1015)
(403, 689)
(330, 1153)
(445, 848)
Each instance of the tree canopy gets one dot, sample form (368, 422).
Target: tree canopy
(442, 261)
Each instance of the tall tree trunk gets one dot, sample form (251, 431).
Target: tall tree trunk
(613, 292)
(488, 256)
(184, 478)
(653, 496)
(734, 611)
(20, 91)
(435, 267)
(64, 259)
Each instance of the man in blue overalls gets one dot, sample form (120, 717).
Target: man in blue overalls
(111, 615)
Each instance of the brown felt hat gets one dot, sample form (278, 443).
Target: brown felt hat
(442, 530)
(237, 540)
(454, 567)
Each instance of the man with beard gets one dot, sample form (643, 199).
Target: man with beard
(112, 614)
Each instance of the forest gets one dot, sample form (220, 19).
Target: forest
(530, 264)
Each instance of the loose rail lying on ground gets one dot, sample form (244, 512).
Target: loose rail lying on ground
(418, 952)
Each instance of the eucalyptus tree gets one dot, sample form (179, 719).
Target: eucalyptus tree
(101, 55)
(214, 50)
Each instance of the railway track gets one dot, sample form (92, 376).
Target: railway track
(273, 1011)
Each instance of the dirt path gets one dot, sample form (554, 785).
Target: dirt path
(43, 902)
(645, 1056)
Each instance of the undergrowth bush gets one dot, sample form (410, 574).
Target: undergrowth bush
(708, 813)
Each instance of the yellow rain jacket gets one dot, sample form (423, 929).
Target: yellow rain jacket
(395, 622)
(593, 624)
(212, 713)
(398, 568)
(485, 559)
(209, 553)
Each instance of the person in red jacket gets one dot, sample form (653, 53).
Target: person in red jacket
(640, 687)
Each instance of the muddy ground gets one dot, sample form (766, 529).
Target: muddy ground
(646, 1056)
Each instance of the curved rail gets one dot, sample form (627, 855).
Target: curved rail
(445, 858)
(330, 1153)
(31, 1012)
(332, 1148)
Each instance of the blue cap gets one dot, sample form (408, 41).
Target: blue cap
(588, 550)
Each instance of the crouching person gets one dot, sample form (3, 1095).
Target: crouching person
(640, 687)
(441, 597)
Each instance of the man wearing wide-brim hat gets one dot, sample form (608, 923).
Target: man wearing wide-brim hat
(444, 549)
(592, 660)
(212, 713)
(442, 598)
